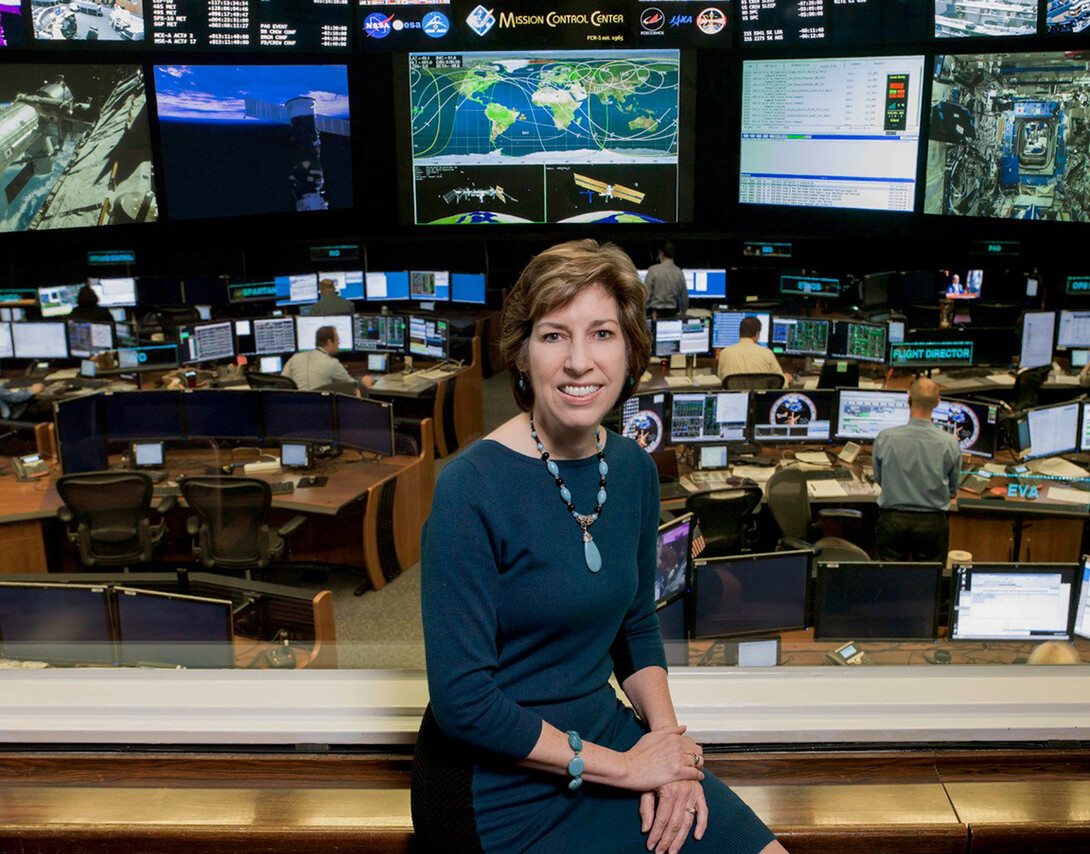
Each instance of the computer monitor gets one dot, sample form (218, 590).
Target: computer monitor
(750, 594)
(264, 336)
(7, 349)
(973, 424)
(672, 567)
(125, 334)
(39, 340)
(704, 417)
(864, 342)
(1082, 602)
(671, 616)
(87, 337)
(1038, 336)
(809, 286)
(303, 416)
(966, 285)
(467, 287)
(152, 414)
(429, 285)
(365, 424)
(877, 288)
(1073, 329)
(428, 337)
(379, 333)
(1012, 601)
(877, 601)
(145, 455)
(298, 289)
(1051, 430)
(688, 337)
(931, 354)
(84, 455)
(154, 356)
(387, 287)
(644, 419)
(705, 284)
(348, 283)
(222, 414)
(57, 623)
(204, 312)
(725, 323)
(799, 336)
(58, 300)
(896, 331)
(861, 414)
(270, 364)
(206, 342)
(782, 415)
(114, 292)
(306, 329)
(159, 629)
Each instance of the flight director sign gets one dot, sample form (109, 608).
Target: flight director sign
(920, 354)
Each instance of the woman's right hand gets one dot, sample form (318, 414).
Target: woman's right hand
(662, 757)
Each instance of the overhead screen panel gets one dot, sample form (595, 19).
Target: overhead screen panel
(86, 21)
(973, 19)
(245, 24)
(778, 22)
(254, 139)
(1000, 137)
(545, 136)
(831, 133)
(54, 111)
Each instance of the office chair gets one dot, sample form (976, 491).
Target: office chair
(256, 379)
(837, 373)
(1027, 384)
(750, 381)
(727, 518)
(231, 528)
(790, 507)
(108, 516)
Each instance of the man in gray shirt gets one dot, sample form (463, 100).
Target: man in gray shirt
(317, 370)
(917, 466)
(329, 301)
(666, 293)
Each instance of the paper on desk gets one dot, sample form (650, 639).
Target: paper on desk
(1068, 495)
(1001, 379)
(1058, 467)
(814, 458)
(707, 380)
(1064, 379)
(757, 473)
(868, 383)
(810, 382)
(679, 382)
(825, 489)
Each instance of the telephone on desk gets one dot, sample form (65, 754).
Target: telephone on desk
(29, 467)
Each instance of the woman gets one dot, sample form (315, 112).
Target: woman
(537, 572)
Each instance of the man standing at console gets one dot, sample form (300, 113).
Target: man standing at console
(329, 301)
(917, 466)
(666, 293)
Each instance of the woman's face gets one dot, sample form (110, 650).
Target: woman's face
(577, 362)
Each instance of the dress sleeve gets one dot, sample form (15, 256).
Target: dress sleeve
(639, 642)
(459, 582)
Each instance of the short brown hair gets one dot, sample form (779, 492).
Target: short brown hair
(324, 334)
(551, 281)
(750, 327)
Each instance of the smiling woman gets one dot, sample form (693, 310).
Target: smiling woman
(548, 592)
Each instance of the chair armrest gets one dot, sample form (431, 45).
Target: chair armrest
(840, 513)
(65, 514)
(794, 543)
(192, 526)
(166, 505)
(291, 527)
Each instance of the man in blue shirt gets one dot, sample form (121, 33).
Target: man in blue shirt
(917, 466)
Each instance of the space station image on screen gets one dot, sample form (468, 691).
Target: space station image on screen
(75, 148)
(1009, 138)
(88, 20)
(259, 139)
(558, 136)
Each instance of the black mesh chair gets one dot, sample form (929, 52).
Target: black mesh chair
(256, 379)
(231, 528)
(738, 382)
(1027, 385)
(727, 518)
(109, 516)
(789, 504)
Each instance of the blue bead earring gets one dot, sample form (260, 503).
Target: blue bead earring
(522, 383)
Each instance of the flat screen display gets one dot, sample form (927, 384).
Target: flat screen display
(545, 136)
(169, 629)
(709, 417)
(39, 340)
(792, 416)
(347, 283)
(750, 594)
(1038, 338)
(7, 350)
(387, 287)
(222, 414)
(864, 342)
(297, 289)
(1074, 329)
(379, 333)
(365, 424)
(57, 623)
(12, 32)
(58, 300)
(1052, 430)
(265, 336)
(861, 414)
(973, 424)
(428, 337)
(87, 21)
(672, 567)
(79, 418)
(780, 22)
(467, 287)
(846, 137)
(869, 601)
(705, 284)
(206, 342)
(114, 293)
(254, 139)
(688, 337)
(963, 285)
(957, 19)
(280, 25)
(644, 418)
(152, 414)
(94, 104)
(87, 337)
(301, 416)
(1082, 604)
(1012, 601)
(799, 336)
(429, 285)
(725, 326)
(306, 330)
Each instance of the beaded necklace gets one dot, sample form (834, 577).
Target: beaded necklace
(585, 520)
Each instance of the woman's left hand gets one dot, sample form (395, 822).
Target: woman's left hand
(679, 804)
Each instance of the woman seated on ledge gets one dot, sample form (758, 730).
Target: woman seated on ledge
(536, 588)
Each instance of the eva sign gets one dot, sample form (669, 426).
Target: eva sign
(1021, 490)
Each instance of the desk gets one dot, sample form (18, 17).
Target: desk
(368, 515)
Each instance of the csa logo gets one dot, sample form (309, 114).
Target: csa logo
(436, 25)
(377, 25)
(652, 19)
(481, 20)
(711, 21)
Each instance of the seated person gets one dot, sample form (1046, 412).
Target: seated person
(18, 403)
(329, 301)
(317, 370)
(747, 356)
(87, 307)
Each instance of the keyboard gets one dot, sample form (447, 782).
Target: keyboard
(829, 474)
(970, 373)
(282, 488)
(165, 490)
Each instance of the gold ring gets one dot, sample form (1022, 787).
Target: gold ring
(696, 760)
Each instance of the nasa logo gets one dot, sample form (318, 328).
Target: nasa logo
(711, 21)
(481, 20)
(436, 25)
(377, 25)
(680, 20)
(652, 19)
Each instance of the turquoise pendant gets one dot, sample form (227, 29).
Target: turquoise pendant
(593, 556)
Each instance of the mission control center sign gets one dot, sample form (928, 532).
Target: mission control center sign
(470, 24)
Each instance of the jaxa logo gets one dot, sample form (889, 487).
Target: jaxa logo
(481, 20)
(680, 21)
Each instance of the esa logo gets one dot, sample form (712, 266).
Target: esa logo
(680, 21)
(377, 25)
